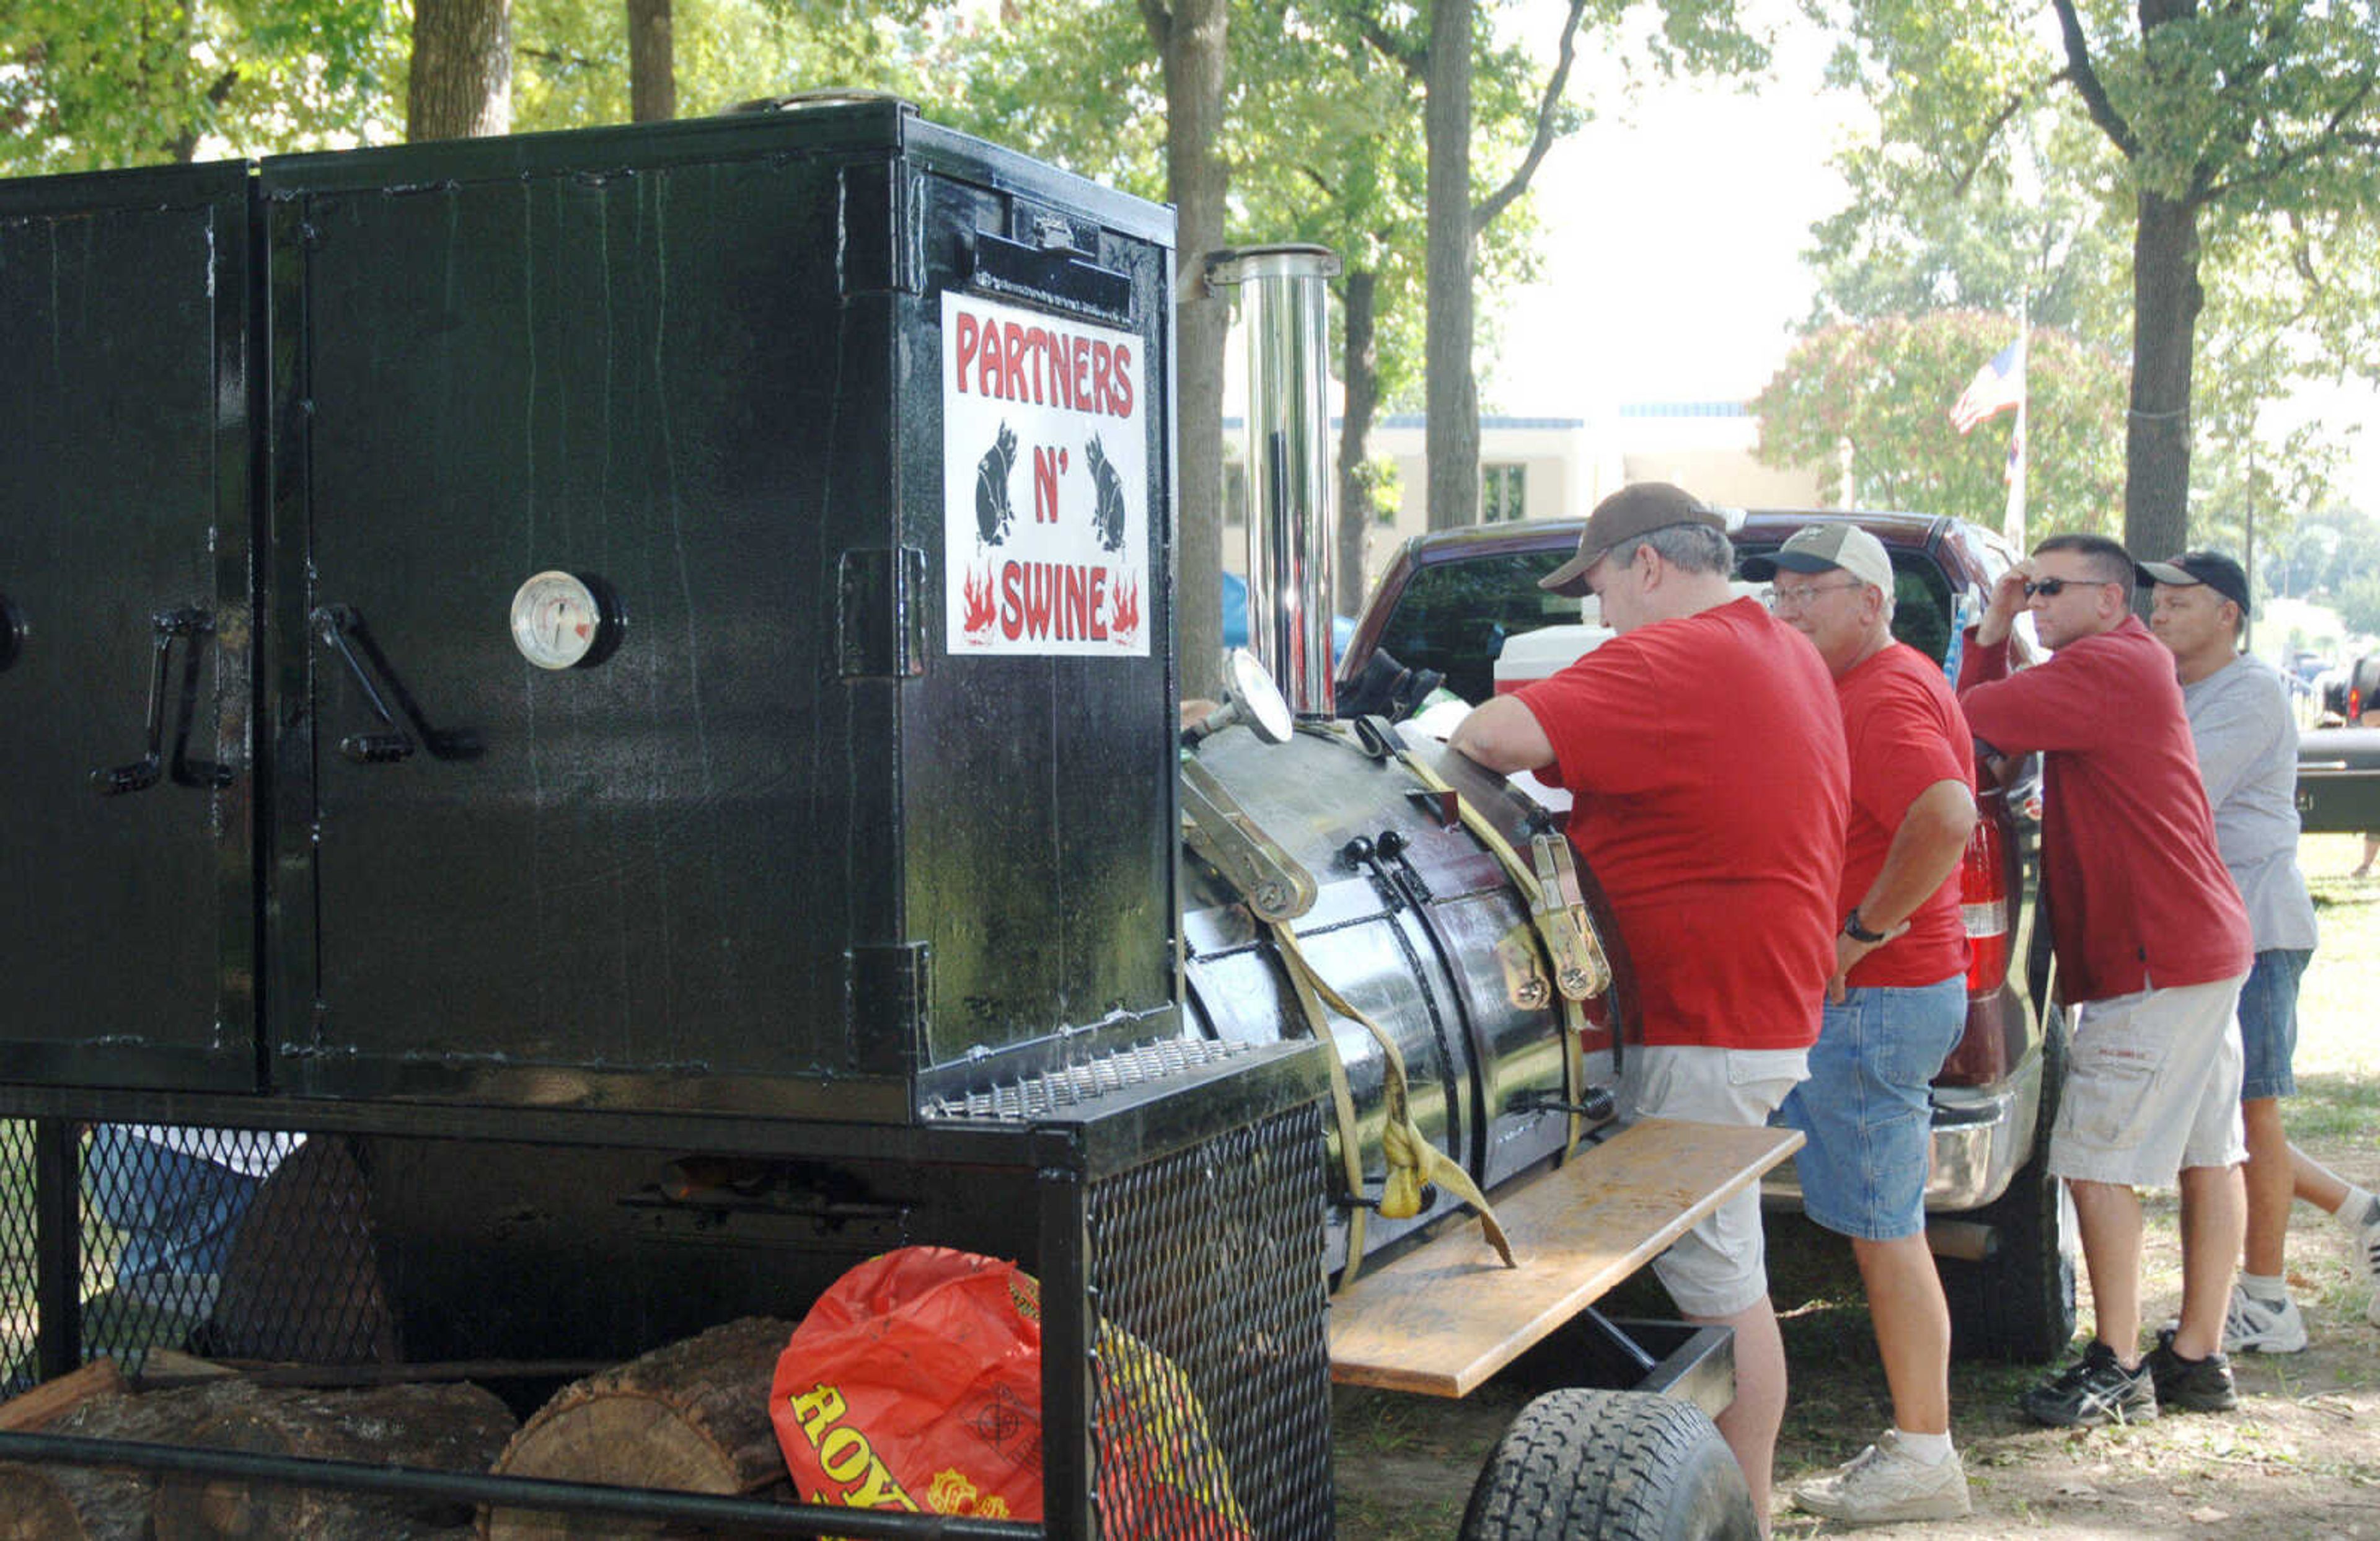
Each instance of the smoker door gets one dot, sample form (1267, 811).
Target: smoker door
(124, 637)
(652, 361)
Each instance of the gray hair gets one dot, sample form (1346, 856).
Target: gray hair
(1689, 548)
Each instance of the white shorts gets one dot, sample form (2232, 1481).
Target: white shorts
(1720, 1267)
(2154, 1086)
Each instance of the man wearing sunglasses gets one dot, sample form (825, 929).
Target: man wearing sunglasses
(2151, 943)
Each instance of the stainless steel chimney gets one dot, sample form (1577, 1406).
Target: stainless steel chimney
(1283, 300)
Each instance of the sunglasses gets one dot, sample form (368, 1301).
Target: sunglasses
(2053, 586)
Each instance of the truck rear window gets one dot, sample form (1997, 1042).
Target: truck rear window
(1456, 617)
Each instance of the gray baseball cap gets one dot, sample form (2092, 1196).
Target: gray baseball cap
(1816, 548)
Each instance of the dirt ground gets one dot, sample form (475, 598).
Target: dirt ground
(2299, 1461)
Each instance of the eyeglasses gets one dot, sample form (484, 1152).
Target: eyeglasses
(1795, 598)
(2054, 587)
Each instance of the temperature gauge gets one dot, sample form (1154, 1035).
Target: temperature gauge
(560, 621)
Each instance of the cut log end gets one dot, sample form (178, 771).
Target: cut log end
(692, 1416)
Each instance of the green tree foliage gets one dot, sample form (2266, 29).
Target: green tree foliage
(2210, 120)
(1882, 389)
(572, 56)
(2359, 605)
(91, 84)
(2322, 554)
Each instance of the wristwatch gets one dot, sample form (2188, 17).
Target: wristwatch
(1857, 932)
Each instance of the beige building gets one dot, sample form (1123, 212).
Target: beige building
(1549, 468)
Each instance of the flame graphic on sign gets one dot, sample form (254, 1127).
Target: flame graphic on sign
(975, 620)
(1124, 611)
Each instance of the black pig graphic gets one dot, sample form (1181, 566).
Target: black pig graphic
(992, 512)
(1107, 514)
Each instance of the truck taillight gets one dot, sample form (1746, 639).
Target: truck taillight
(1983, 901)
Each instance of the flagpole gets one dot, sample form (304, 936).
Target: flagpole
(2012, 522)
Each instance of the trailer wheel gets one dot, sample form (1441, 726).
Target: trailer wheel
(1615, 1465)
(2018, 1306)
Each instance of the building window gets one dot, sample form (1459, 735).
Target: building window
(1502, 494)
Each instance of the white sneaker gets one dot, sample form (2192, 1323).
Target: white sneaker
(2250, 1326)
(1884, 1483)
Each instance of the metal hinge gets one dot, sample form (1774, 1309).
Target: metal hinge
(887, 990)
(880, 613)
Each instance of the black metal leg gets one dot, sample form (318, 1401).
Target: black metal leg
(57, 1247)
(1068, 1500)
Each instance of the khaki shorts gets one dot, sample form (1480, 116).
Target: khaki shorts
(2154, 1086)
(1721, 1265)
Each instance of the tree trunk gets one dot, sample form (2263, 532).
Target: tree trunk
(2165, 302)
(444, 1428)
(1451, 434)
(1190, 39)
(653, 63)
(1360, 377)
(461, 86)
(693, 1416)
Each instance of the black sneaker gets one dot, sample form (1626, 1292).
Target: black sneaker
(2200, 1385)
(2095, 1389)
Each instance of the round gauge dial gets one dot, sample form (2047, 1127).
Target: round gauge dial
(556, 620)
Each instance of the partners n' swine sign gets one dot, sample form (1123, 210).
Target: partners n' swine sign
(1045, 483)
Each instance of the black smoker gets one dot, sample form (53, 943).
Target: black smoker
(622, 679)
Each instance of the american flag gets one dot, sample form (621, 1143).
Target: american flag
(1998, 387)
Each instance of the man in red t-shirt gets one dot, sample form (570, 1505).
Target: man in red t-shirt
(1896, 1005)
(1704, 755)
(2152, 944)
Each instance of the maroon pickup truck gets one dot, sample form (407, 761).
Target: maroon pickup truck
(1447, 606)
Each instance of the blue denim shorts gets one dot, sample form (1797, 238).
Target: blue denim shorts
(1867, 1110)
(2269, 1022)
(177, 1212)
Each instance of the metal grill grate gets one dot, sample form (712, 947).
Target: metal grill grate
(1212, 1401)
(232, 1243)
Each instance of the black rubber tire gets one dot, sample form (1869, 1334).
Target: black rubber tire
(2018, 1306)
(1611, 1465)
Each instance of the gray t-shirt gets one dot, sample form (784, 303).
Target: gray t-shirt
(2247, 758)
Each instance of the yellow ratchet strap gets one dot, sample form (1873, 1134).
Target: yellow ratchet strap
(1412, 1159)
(1548, 884)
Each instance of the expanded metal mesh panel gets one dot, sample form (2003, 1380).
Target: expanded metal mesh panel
(16, 1262)
(232, 1243)
(1211, 1407)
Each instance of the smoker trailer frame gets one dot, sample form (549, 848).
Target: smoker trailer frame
(312, 903)
(1110, 1167)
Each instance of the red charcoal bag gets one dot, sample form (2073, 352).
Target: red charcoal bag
(914, 1383)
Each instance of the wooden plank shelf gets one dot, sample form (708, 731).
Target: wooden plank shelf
(1445, 1317)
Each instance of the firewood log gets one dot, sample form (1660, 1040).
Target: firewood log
(303, 1281)
(693, 1416)
(51, 1502)
(455, 1428)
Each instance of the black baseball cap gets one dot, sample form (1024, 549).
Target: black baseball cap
(2214, 569)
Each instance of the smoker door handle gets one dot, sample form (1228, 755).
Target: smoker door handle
(193, 627)
(344, 632)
